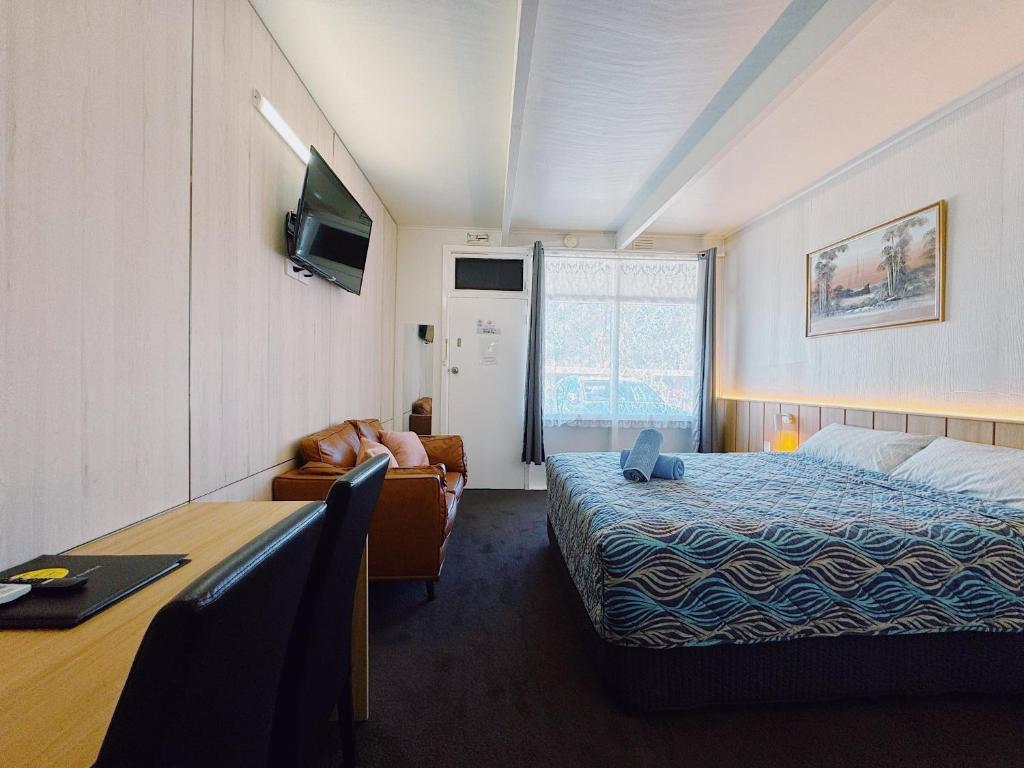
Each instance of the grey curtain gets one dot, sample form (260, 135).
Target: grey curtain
(533, 430)
(704, 438)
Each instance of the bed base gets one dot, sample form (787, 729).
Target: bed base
(803, 670)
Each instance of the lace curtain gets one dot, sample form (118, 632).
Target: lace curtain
(621, 341)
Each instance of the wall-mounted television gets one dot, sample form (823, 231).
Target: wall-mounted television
(329, 233)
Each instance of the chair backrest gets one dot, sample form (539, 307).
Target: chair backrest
(202, 688)
(317, 672)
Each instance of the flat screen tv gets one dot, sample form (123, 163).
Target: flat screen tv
(329, 234)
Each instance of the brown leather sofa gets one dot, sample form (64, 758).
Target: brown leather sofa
(417, 506)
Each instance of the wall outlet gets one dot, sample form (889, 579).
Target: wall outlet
(295, 272)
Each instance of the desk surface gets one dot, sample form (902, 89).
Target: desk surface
(58, 687)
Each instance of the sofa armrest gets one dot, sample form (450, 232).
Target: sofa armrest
(412, 506)
(448, 450)
(430, 470)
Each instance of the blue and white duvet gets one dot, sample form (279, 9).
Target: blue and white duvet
(751, 548)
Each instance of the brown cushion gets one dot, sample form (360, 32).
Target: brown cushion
(368, 428)
(368, 449)
(406, 448)
(337, 445)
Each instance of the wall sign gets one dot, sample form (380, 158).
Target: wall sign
(488, 335)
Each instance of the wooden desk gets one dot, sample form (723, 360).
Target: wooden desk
(58, 688)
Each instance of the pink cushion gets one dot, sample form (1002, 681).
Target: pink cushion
(406, 448)
(368, 449)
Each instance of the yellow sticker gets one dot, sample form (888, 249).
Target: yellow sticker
(43, 573)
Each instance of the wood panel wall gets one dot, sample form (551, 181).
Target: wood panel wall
(153, 349)
(749, 424)
(272, 359)
(94, 211)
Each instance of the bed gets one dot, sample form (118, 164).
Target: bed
(776, 577)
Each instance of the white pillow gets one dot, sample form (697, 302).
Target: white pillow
(872, 449)
(988, 472)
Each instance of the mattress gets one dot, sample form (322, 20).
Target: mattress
(762, 547)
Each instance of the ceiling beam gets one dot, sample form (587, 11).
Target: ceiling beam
(527, 27)
(805, 31)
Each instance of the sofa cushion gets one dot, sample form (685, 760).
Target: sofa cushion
(337, 445)
(406, 447)
(455, 482)
(369, 448)
(368, 428)
(446, 449)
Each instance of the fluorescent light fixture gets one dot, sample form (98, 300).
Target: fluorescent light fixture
(283, 129)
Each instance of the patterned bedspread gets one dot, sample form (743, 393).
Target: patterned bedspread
(759, 547)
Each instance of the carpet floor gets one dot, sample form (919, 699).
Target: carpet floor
(493, 673)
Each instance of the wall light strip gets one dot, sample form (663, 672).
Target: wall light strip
(939, 411)
(283, 129)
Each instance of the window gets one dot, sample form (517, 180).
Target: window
(488, 274)
(620, 340)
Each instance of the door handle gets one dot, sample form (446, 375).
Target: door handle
(454, 369)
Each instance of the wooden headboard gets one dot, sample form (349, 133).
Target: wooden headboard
(748, 424)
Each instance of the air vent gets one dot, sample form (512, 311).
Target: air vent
(478, 238)
(643, 243)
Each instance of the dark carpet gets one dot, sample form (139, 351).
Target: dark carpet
(493, 673)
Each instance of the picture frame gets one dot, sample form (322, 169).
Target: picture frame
(891, 275)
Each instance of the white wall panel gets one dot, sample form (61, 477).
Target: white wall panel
(105, 392)
(93, 268)
(259, 487)
(974, 362)
(272, 359)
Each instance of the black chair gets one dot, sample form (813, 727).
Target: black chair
(202, 688)
(318, 669)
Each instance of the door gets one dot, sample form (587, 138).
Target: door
(486, 377)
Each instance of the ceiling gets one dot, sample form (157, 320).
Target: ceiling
(613, 87)
(420, 91)
(654, 115)
(851, 101)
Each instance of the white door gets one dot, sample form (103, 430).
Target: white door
(486, 377)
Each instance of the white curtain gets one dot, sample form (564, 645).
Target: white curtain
(622, 348)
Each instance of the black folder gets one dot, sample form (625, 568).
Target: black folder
(110, 578)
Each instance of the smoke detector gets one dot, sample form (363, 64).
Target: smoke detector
(570, 241)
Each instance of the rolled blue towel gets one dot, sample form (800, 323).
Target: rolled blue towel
(641, 460)
(667, 467)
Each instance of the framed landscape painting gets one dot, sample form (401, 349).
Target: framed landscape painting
(893, 274)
